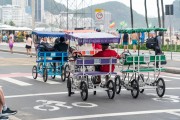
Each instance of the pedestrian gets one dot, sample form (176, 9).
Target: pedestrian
(28, 45)
(5, 38)
(134, 39)
(4, 110)
(159, 40)
(125, 41)
(11, 42)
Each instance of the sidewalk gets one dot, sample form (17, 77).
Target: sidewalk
(18, 48)
(172, 66)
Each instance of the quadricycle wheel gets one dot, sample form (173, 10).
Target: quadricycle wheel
(141, 82)
(118, 84)
(53, 68)
(63, 78)
(160, 87)
(66, 71)
(45, 74)
(69, 86)
(34, 72)
(84, 90)
(111, 89)
(135, 88)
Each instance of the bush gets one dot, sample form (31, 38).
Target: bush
(20, 39)
(143, 47)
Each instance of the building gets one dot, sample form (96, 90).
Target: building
(20, 3)
(107, 19)
(0, 14)
(39, 9)
(176, 8)
(15, 14)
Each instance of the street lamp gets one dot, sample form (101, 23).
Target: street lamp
(169, 12)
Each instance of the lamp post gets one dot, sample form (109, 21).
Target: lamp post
(67, 14)
(169, 12)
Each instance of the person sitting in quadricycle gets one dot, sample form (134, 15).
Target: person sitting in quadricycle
(106, 52)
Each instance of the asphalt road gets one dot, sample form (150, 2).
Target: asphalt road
(36, 100)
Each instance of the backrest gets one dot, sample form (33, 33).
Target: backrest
(52, 54)
(96, 61)
(143, 59)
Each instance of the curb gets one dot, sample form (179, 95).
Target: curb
(172, 70)
(17, 52)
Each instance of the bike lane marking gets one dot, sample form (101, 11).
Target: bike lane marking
(114, 114)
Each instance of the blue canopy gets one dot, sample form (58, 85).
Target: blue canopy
(48, 34)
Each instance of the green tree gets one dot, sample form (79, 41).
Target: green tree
(11, 23)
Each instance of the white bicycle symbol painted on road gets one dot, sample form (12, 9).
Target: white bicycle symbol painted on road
(166, 98)
(56, 105)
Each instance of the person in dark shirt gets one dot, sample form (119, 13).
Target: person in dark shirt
(125, 41)
(60, 45)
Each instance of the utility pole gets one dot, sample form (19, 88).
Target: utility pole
(67, 14)
(33, 13)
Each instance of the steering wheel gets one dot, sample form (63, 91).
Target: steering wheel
(76, 54)
(72, 48)
(124, 56)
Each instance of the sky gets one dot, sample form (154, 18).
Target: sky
(138, 5)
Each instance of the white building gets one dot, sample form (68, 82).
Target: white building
(15, 14)
(107, 19)
(20, 3)
(0, 14)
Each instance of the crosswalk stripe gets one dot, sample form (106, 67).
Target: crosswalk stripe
(41, 80)
(11, 80)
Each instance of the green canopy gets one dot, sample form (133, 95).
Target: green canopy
(139, 30)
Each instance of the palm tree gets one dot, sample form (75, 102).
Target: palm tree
(159, 18)
(132, 21)
(163, 19)
(145, 6)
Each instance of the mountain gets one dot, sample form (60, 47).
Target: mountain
(121, 12)
(54, 7)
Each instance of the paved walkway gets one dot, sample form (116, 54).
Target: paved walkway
(172, 66)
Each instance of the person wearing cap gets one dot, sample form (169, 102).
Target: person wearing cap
(106, 52)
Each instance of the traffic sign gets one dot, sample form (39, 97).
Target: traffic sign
(99, 16)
